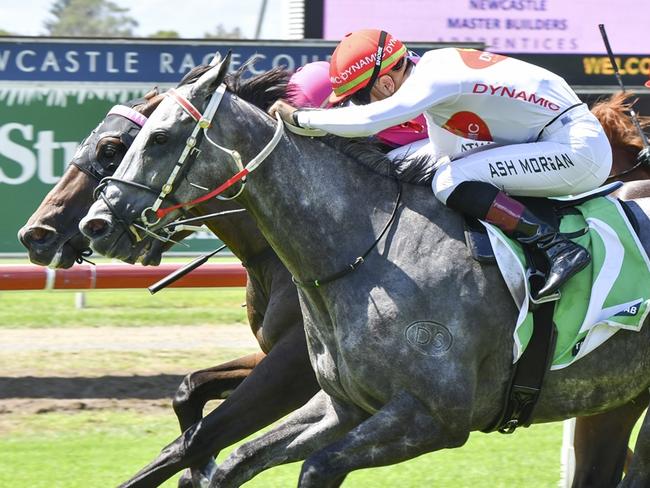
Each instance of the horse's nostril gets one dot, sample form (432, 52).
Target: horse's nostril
(94, 228)
(36, 235)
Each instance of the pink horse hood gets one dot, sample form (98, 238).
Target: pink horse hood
(309, 86)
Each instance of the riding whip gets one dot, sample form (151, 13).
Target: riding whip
(644, 155)
(179, 273)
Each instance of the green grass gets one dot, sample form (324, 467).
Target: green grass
(95, 449)
(102, 449)
(122, 308)
(126, 363)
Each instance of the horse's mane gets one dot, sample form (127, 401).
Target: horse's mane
(149, 101)
(613, 114)
(264, 89)
(260, 90)
(372, 154)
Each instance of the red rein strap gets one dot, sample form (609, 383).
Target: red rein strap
(161, 212)
(185, 104)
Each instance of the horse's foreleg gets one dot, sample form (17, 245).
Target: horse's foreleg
(401, 430)
(280, 383)
(638, 476)
(321, 421)
(199, 387)
(214, 383)
(601, 442)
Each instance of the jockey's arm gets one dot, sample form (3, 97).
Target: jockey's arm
(422, 90)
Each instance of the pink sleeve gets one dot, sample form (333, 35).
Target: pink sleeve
(406, 133)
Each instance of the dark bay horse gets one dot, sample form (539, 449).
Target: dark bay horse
(623, 136)
(380, 405)
(626, 144)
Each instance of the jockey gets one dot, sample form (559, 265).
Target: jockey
(547, 141)
(310, 87)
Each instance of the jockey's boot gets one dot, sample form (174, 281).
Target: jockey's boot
(565, 258)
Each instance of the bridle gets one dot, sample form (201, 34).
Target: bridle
(152, 215)
(203, 123)
(103, 174)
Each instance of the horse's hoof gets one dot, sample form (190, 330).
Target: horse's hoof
(185, 481)
(201, 477)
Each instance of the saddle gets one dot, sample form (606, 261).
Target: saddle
(530, 370)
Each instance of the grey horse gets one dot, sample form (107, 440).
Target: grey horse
(258, 388)
(412, 349)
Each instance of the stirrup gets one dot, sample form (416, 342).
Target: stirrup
(538, 301)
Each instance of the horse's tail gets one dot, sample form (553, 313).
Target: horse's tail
(613, 114)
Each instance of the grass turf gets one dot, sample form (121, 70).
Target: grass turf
(122, 308)
(103, 448)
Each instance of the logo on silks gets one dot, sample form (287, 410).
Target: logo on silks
(429, 338)
(630, 311)
(468, 125)
(479, 59)
(576, 347)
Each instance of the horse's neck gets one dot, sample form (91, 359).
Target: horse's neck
(317, 208)
(238, 230)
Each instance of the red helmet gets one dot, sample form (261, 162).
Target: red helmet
(647, 84)
(361, 57)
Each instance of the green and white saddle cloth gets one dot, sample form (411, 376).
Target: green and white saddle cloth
(611, 294)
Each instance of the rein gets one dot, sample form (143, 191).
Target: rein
(177, 225)
(357, 262)
(643, 159)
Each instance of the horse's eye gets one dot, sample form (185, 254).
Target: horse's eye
(160, 138)
(108, 150)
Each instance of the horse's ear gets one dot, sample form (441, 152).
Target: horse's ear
(212, 78)
(151, 93)
(224, 66)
